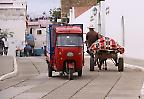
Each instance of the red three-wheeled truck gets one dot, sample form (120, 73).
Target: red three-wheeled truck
(65, 51)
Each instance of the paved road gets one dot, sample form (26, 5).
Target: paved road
(6, 64)
(32, 82)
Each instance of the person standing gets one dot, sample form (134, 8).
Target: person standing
(1, 46)
(6, 43)
(91, 36)
(30, 41)
(27, 50)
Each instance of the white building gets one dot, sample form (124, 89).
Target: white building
(13, 19)
(124, 23)
(122, 20)
(38, 30)
(86, 16)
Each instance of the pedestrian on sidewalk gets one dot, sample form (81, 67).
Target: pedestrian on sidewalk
(1, 46)
(6, 43)
(27, 50)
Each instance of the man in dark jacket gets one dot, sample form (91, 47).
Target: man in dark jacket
(27, 50)
(91, 36)
(1, 46)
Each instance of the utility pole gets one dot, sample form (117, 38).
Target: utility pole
(99, 18)
(70, 11)
(123, 30)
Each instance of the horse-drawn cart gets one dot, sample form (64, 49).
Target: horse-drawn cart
(103, 49)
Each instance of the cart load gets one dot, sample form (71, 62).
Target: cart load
(103, 49)
(106, 43)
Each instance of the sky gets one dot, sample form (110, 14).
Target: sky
(37, 7)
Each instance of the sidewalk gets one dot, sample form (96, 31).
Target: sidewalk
(132, 61)
(6, 64)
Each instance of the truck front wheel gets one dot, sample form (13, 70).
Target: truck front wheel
(80, 73)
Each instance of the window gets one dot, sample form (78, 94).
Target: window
(69, 40)
(39, 32)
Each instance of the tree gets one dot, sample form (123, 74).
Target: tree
(55, 14)
(99, 1)
(5, 33)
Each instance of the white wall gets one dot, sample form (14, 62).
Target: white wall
(40, 39)
(111, 24)
(113, 20)
(134, 22)
(85, 20)
(13, 18)
(16, 26)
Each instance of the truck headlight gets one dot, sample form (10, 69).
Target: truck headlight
(70, 54)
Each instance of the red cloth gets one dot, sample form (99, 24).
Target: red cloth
(105, 43)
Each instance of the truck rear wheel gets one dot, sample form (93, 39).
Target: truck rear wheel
(49, 70)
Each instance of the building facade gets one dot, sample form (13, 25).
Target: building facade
(121, 20)
(13, 19)
(38, 30)
(124, 22)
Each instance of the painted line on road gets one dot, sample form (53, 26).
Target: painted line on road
(11, 74)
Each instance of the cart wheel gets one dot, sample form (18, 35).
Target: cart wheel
(80, 73)
(92, 63)
(71, 74)
(120, 64)
(49, 70)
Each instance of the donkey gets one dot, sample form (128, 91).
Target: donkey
(91, 37)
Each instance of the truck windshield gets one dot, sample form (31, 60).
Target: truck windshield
(69, 40)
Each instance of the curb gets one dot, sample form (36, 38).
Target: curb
(11, 74)
(135, 66)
